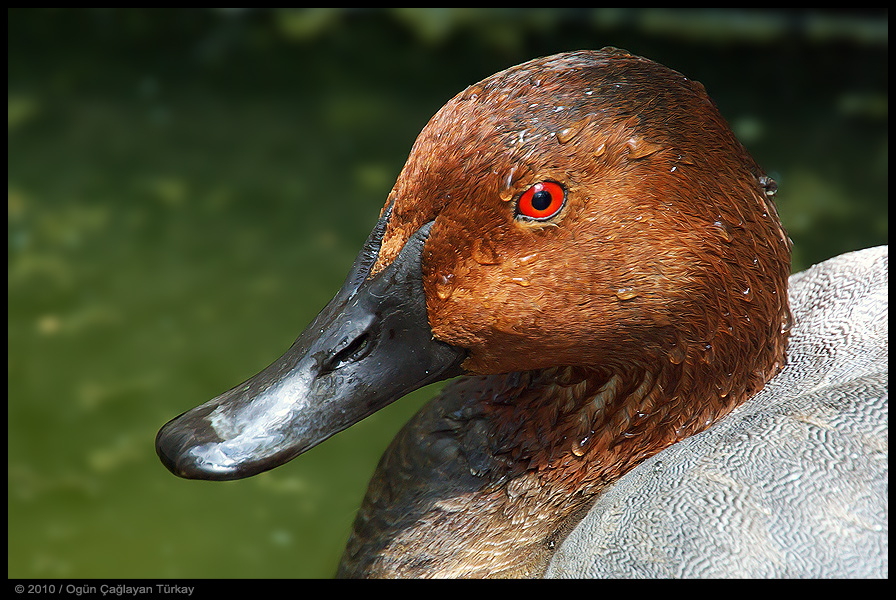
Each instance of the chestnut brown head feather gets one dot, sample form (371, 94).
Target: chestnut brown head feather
(667, 243)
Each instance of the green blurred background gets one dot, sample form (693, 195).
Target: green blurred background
(187, 188)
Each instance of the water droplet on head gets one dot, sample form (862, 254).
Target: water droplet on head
(511, 180)
(638, 147)
(733, 218)
(676, 355)
(568, 133)
(444, 285)
(626, 293)
(725, 387)
(723, 230)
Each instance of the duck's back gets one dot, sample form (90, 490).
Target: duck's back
(794, 483)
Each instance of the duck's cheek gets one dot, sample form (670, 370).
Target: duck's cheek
(506, 322)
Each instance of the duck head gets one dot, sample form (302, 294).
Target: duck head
(589, 210)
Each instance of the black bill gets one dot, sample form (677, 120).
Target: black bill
(369, 346)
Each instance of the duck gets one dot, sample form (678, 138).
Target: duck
(582, 246)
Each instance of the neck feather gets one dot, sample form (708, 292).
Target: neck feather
(583, 428)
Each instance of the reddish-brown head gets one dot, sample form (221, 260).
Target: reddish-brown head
(653, 239)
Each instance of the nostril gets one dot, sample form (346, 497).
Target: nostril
(354, 351)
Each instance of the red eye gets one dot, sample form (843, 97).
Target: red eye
(541, 201)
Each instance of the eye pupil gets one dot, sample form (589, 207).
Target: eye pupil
(541, 200)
